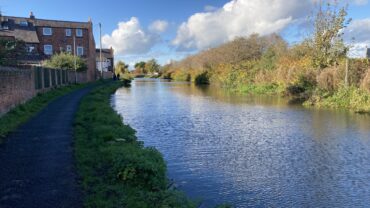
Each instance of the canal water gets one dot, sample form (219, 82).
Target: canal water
(251, 151)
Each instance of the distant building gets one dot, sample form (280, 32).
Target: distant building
(44, 38)
(368, 53)
(107, 60)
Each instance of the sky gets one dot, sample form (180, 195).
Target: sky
(173, 29)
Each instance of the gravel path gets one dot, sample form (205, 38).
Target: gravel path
(36, 161)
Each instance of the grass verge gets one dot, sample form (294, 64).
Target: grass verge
(351, 98)
(23, 112)
(116, 169)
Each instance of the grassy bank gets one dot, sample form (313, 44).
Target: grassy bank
(20, 114)
(116, 169)
(351, 98)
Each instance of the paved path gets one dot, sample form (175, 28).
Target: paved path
(36, 162)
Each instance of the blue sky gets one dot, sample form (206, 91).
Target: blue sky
(171, 29)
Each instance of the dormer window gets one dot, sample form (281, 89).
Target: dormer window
(47, 31)
(79, 32)
(23, 23)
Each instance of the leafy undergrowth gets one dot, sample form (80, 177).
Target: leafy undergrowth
(116, 169)
(261, 89)
(23, 112)
(345, 97)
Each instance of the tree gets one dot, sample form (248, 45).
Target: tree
(140, 67)
(11, 51)
(327, 41)
(152, 66)
(121, 68)
(66, 61)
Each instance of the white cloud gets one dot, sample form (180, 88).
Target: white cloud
(158, 26)
(239, 18)
(360, 2)
(357, 34)
(130, 38)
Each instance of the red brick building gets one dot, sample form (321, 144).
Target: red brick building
(44, 38)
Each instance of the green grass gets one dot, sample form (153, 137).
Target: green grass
(116, 169)
(259, 89)
(23, 112)
(351, 98)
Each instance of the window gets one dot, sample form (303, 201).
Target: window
(47, 31)
(48, 49)
(30, 49)
(23, 23)
(79, 32)
(80, 51)
(68, 32)
(69, 49)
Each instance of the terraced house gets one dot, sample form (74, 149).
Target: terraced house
(44, 38)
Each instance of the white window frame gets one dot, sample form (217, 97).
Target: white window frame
(47, 31)
(48, 49)
(79, 32)
(80, 53)
(68, 32)
(69, 48)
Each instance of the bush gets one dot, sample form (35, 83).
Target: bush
(202, 79)
(11, 51)
(66, 61)
(328, 79)
(345, 97)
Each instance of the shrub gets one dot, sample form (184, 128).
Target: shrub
(66, 61)
(202, 78)
(11, 51)
(328, 79)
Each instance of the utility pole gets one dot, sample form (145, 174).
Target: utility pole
(101, 63)
(74, 57)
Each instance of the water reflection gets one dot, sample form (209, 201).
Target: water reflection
(251, 151)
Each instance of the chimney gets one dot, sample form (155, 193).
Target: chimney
(32, 16)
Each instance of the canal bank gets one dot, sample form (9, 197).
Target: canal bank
(116, 169)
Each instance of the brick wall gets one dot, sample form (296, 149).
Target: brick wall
(19, 85)
(16, 86)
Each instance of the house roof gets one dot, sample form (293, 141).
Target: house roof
(28, 36)
(106, 52)
(50, 23)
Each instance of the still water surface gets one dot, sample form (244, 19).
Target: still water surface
(251, 151)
